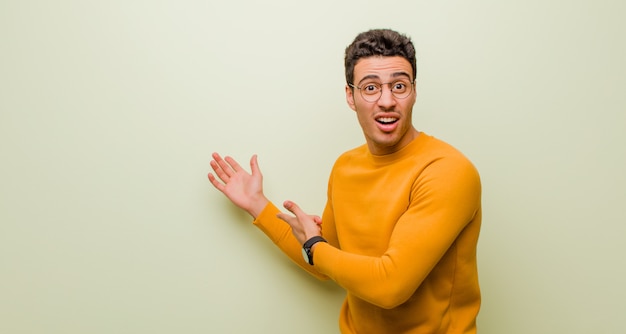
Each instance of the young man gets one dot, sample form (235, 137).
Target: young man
(402, 219)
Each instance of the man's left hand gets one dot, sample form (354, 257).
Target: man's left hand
(303, 226)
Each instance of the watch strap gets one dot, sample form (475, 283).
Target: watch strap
(307, 247)
(309, 243)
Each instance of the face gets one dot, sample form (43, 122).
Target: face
(386, 123)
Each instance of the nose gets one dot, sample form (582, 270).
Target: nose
(386, 99)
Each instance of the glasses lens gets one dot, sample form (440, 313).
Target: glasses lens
(401, 89)
(371, 92)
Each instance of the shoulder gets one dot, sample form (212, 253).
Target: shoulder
(447, 169)
(440, 152)
(353, 155)
(438, 167)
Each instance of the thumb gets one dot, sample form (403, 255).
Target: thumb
(254, 165)
(293, 208)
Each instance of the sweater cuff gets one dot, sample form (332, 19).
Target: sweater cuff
(268, 213)
(276, 229)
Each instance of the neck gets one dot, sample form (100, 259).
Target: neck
(408, 137)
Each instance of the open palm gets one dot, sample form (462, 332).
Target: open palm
(244, 189)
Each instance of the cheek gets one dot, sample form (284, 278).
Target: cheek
(408, 105)
(362, 116)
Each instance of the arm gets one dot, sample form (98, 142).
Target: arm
(246, 191)
(283, 237)
(443, 214)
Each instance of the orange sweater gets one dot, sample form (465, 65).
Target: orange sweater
(402, 232)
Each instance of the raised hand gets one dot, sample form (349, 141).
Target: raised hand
(244, 189)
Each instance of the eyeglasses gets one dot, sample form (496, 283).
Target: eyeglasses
(372, 91)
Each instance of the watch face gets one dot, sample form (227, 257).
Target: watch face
(305, 255)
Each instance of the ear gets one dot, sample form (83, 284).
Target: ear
(350, 98)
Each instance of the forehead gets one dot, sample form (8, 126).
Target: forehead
(383, 68)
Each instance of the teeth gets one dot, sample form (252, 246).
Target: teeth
(387, 119)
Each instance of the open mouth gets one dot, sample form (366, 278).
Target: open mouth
(386, 120)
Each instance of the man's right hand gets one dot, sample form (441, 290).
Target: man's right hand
(243, 189)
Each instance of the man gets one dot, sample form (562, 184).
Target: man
(402, 218)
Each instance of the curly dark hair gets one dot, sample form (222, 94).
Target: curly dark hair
(378, 42)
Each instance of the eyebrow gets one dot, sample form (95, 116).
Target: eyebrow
(393, 75)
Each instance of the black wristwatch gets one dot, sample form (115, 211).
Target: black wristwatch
(306, 249)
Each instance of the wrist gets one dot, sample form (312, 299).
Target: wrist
(257, 206)
(309, 246)
(314, 246)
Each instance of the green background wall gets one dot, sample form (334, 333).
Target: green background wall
(109, 111)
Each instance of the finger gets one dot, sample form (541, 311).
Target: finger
(216, 183)
(254, 165)
(293, 222)
(294, 208)
(233, 164)
(217, 162)
(223, 165)
(219, 171)
(317, 220)
(289, 219)
(216, 157)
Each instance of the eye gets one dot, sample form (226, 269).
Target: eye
(399, 86)
(370, 88)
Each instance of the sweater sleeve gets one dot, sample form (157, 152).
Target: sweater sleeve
(444, 200)
(280, 233)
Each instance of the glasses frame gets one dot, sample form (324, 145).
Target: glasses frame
(380, 93)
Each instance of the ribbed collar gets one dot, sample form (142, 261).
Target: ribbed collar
(410, 149)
